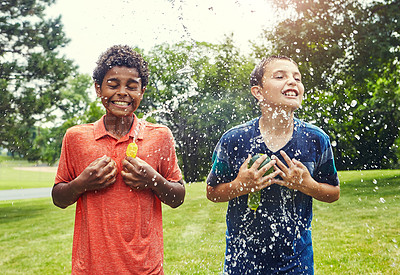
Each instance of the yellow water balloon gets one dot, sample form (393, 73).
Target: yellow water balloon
(132, 149)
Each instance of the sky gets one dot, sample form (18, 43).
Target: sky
(95, 25)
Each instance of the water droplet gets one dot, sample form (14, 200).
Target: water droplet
(185, 70)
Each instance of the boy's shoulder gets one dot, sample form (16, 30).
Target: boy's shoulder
(149, 126)
(242, 130)
(155, 131)
(309, 129)
(76, 129)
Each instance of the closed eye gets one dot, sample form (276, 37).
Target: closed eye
(133, 88)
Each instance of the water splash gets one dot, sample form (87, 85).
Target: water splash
(153, 112)
(187, 69)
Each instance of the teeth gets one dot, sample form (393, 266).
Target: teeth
(290, 93)
(121, 103)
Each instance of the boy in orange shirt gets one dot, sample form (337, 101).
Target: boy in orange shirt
(118, 223)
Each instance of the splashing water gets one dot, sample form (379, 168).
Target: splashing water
(153, 112)
(186, 69)
(141, 121)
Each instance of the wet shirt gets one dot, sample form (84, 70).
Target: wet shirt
(277, 236)
(117, 230)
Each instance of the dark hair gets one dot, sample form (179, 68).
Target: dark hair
(258, 72)
(124, 56)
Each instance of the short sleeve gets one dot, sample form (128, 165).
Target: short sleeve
(221, 170)
(326, 171)
(169, 167)
(64, 171)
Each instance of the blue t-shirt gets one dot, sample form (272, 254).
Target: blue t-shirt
(276, 237)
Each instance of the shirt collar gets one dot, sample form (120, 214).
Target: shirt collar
(135, 123)
(100, 129)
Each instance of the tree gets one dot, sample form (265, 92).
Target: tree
(31, 72)
(349, 54)
(75, 108)
(202, 103)
(177, 94)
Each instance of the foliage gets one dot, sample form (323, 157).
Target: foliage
(77, 108)
(31, 72)
(49, 140)
(348, 52)
(349, 55)
(201, 103)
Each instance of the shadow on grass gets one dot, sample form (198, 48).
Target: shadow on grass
(12, 211)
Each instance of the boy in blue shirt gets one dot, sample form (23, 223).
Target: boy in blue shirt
(276, 238)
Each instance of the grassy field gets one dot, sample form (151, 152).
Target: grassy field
(12, 177)
(359, 234)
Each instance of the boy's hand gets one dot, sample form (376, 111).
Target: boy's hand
(99, 174)
(137, 173)
(251, 179)
(294, 174)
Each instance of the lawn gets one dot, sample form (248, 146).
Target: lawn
(359, 234)
(13, 177)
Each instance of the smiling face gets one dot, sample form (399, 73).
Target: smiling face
(121, 91)
(281, 86)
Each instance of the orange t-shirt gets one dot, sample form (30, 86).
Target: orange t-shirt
(117, 230)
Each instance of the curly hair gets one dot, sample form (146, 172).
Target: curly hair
(121, 55)
(258, 72)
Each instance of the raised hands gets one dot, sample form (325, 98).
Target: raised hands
(137, 174)
(293, 175)
(251, 178)
(100, 174)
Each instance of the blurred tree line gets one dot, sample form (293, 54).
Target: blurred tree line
(347, 50)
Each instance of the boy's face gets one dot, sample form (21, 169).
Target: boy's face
(121, 91)
(282, 86)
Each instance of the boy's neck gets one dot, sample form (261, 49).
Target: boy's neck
(277, 120)
(118, 126)
(276, 128)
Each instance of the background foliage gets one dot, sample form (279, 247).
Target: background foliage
(32, 72)
(348, 52)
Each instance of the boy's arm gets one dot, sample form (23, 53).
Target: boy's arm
(98, 175)
(138, 174)
(169, 192)
(296, 176)
(248, 180)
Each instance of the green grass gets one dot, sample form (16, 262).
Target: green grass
(194, 234)
(359, 234)
(35, 237)
(11, 178)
